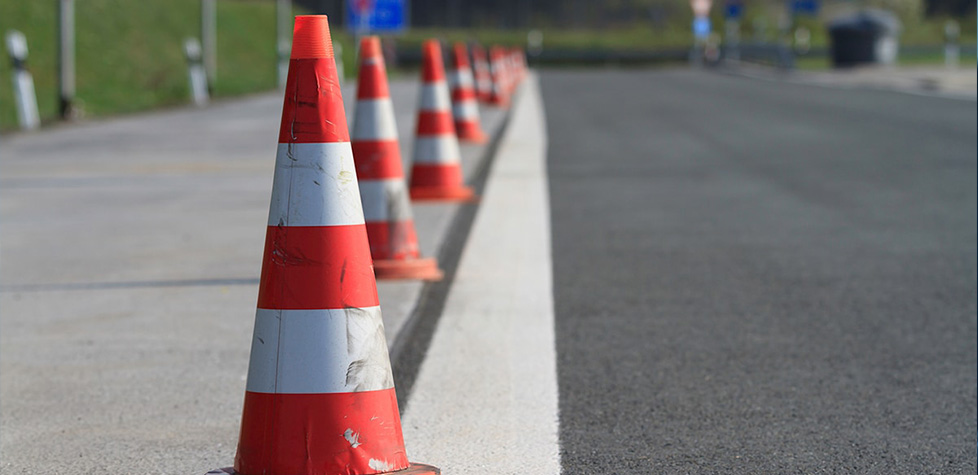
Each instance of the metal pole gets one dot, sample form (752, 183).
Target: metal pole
(208, 39)
(66, 58)
(283, 26)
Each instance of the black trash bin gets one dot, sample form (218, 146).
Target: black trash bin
(868, 37)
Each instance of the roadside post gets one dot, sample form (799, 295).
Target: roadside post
(195, 69)
(66, 58)
(952, 46)
(24, 97)
(208, 39)
(283, 32)
(733, 14)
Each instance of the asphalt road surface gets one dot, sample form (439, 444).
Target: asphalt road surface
(761, 277)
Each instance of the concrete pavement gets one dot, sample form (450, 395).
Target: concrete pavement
(131, 252)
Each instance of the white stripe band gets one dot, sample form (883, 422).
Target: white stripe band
(465, 110)
(315, 184)
(385, 200)
(319, 351)
(436, 149)
(460, 78)
(374, 120)
(434, 97)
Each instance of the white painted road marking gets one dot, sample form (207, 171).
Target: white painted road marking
(485, 400)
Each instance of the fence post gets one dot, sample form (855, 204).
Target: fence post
(66, 58)
(283, 32)
(208, 38)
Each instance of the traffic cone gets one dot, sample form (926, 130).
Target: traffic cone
(483, 83)
(465, 110)
(320, 395)
(498, 95)
(436, 173)
(383, 192)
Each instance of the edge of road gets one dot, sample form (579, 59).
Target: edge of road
(486, 394)
(917, 82)
(410, 345)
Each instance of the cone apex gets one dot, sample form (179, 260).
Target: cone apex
(370, 47)
(310, 37)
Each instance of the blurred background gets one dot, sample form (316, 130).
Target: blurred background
(130, 56)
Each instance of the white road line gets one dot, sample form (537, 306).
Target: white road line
(485, 400)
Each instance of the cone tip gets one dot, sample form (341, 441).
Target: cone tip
(432, 47)
(370, 47)
(310, 37)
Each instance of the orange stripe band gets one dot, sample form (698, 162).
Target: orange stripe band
(436, 175)
(300, 260)
(377, 159)
(293, 434)
(313, 110)
(393, 240)
(435, 123)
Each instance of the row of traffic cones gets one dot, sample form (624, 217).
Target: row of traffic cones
(444, 119)
(320, 394)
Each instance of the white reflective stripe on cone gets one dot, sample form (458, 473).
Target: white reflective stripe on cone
(460, 78)
(374, 120)
(385, 200)
(436, 149)
(466, 109)
(315, 184)
(434, 97)
(319, 351)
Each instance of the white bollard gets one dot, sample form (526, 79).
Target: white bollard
(952, 46)
(24, 96)
(195, 69)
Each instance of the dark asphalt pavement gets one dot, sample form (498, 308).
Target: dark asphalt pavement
(762, 277)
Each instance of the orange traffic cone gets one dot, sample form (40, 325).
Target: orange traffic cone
(386, 206)
(320, 395)
(436, 173)
(465, 110)
(483, 83)
(498, 95)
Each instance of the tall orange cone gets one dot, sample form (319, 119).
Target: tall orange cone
(483, 83)
(320, 396)
(465, 109)
(383, 192)
(498, 95)
(436, 173)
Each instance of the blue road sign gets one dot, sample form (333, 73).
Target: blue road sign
(382, 16)
(804, 7)
(701, 27)
(734, 9)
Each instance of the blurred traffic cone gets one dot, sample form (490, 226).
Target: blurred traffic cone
(320, 395)
(436, 173)
(518, 65)
(498, 95)
(465, 110)
(386, 206)
(483, 83)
